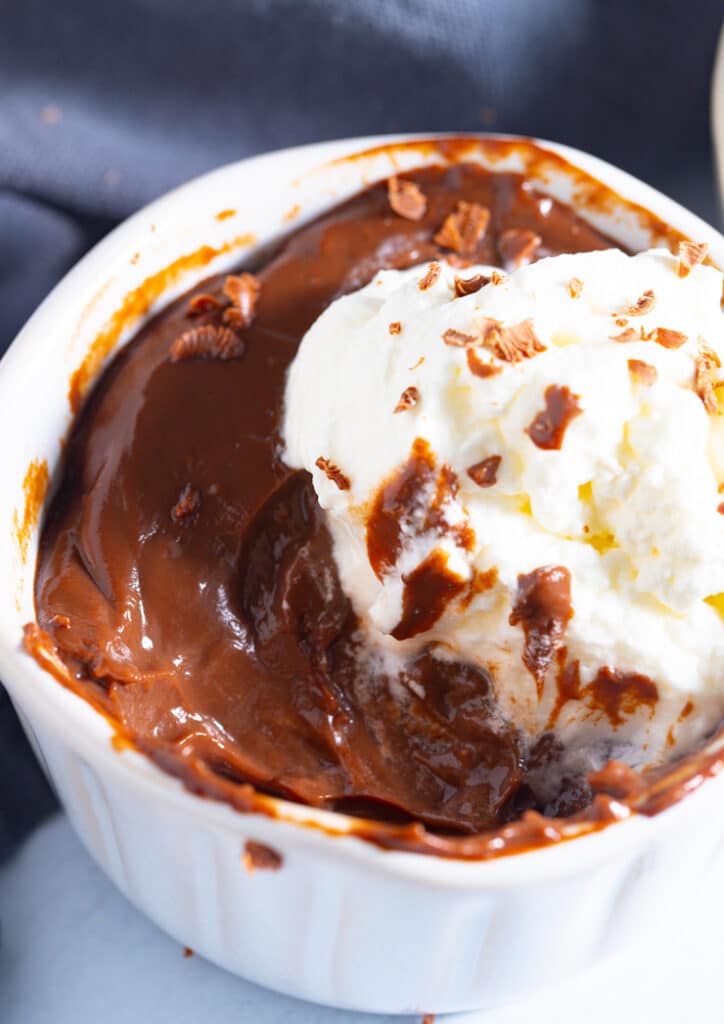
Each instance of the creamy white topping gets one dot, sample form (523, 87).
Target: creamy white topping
(628, 503)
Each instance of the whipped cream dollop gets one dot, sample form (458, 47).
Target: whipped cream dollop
(524, 472)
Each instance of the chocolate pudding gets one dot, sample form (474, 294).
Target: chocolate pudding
(186, 575)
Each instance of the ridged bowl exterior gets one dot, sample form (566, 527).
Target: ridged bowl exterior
(363, 932)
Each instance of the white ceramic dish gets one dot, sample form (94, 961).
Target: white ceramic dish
(342, 921)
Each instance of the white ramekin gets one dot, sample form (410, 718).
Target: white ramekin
(341, 922)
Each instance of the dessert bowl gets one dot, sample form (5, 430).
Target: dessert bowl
(317, 904)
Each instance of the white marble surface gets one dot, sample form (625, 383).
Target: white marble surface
(74, 951)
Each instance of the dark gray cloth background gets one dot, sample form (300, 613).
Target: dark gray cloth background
(104, 106)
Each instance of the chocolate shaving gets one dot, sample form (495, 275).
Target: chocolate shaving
(511, 344)
(644, 304)
(201, 304)
(395, 327)
(485, 473)
(478, 367)
(187, 504)
(206, 342)
(243, 290)
(621, 321)
(705, 364)
(470, 285)
(575, 287)
(409, 397)
(629, 334)
(720, 508)
(459, 339)
(333, 473)
(549, 426)
(433, 272)
(406, 198)
(419, 362)
(690, 254)
(260, 857)
(669, 339)
(464, 229)
(517, 247)
(496, 277)
(234, 318)
(645, 373)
